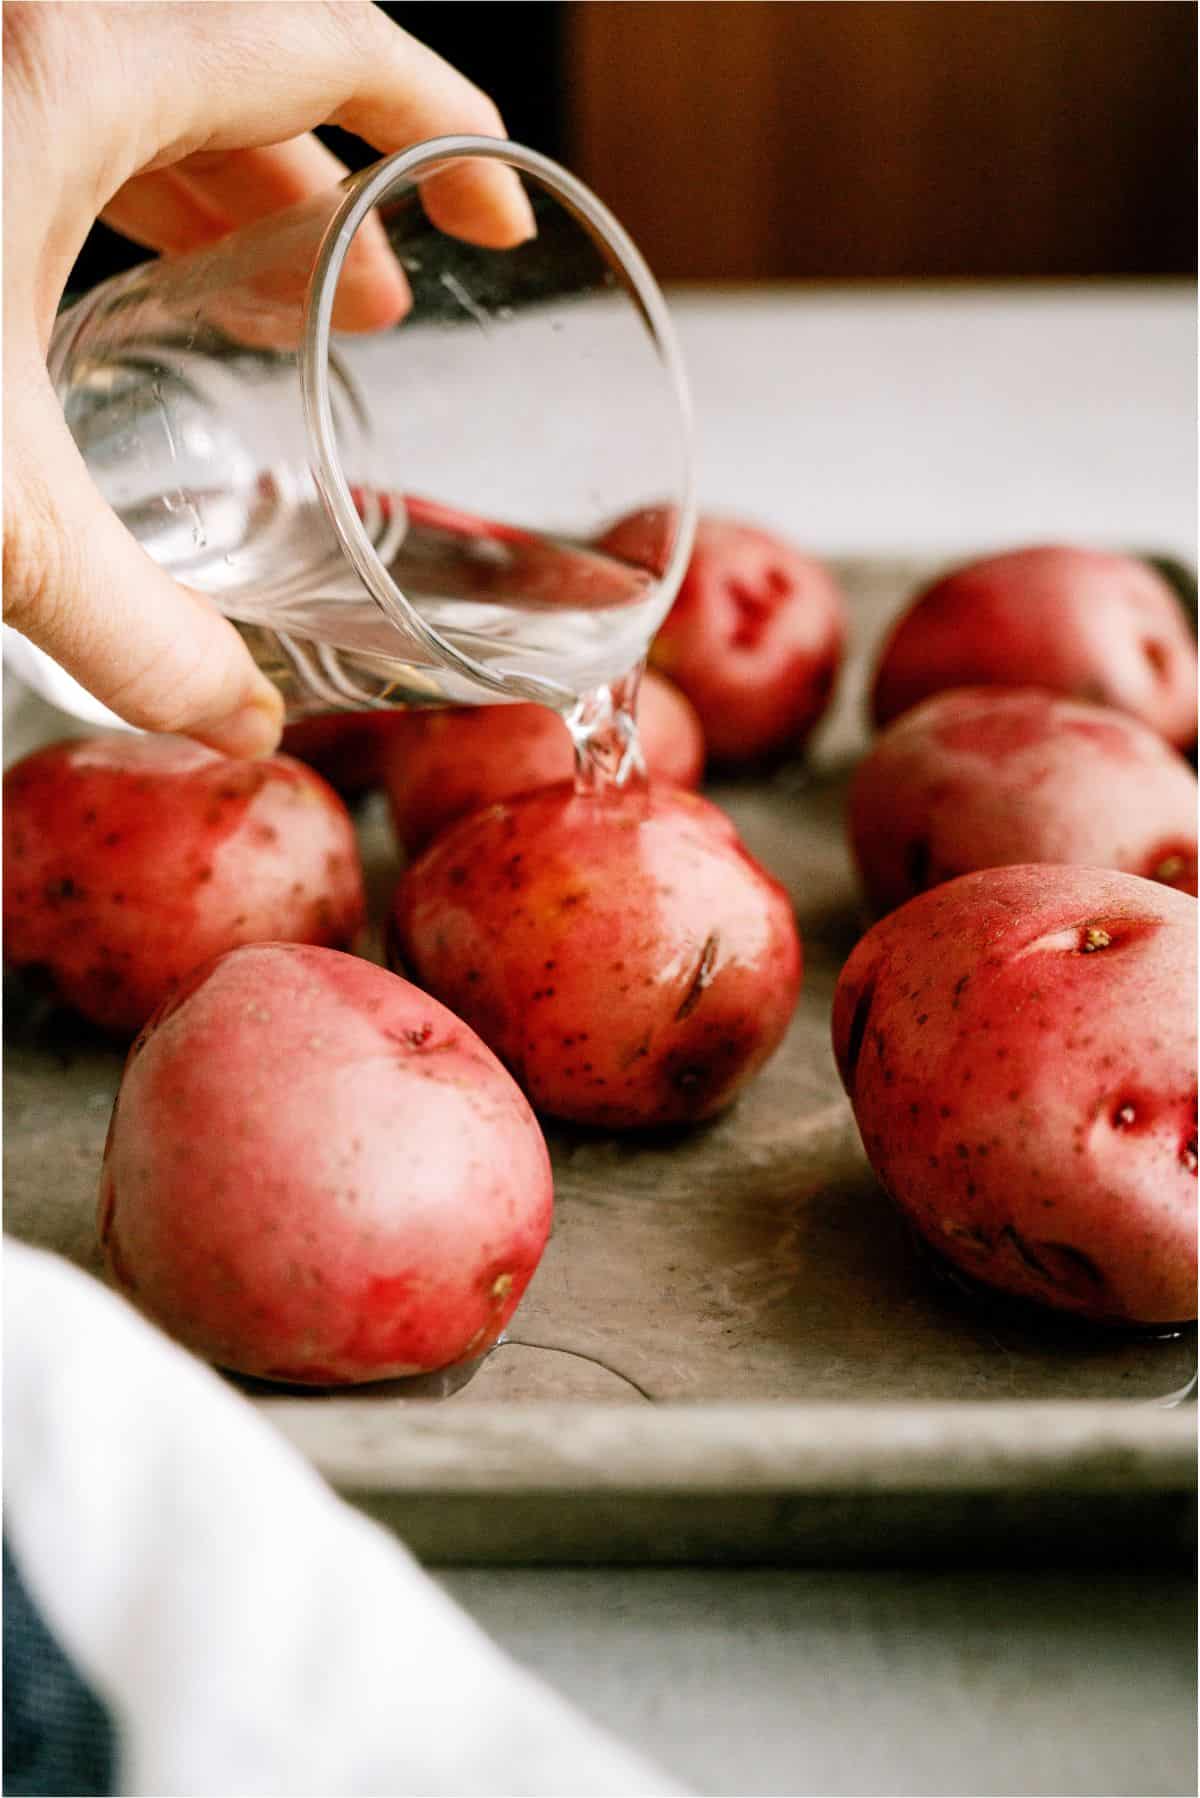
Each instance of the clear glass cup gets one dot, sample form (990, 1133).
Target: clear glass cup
(410, 511)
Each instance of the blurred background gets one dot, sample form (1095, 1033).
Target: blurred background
(856, 139)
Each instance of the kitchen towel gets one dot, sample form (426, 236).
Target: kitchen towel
(246, 1631)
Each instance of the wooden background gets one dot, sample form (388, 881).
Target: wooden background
(741, 139)
(861, 139)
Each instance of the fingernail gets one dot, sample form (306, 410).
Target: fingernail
(523, 214)
(252, 731)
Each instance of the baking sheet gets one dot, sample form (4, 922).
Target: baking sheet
(733, 1348)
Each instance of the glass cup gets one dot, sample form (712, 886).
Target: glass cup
(399, 499)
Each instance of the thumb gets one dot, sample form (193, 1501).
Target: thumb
(76, 584)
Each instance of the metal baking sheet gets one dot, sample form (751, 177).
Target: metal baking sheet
(733, 1349)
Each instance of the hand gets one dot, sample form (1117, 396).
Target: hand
(176, 123)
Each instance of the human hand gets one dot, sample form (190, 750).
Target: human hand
(177, 123)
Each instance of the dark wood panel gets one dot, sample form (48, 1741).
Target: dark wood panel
(938, 138)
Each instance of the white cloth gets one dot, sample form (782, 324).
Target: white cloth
(32, 666)
(250, 1632)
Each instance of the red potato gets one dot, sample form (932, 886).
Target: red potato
(345, 748)
(1019, 1047)
(544, 574)
(621, 952)
(755, 637)
(1092, 626)
(982, 777)
(443, 764)
(315, 1174)
(129, 860)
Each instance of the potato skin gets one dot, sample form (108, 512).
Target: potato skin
(755, 637)
(981, 777)
(1019, 1047)
(130, 860)
(439, 765)
(315, 1174)
(621, 952)
(1089, 625)
(345, 748)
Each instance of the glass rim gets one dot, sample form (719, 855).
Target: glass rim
(363, 192)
